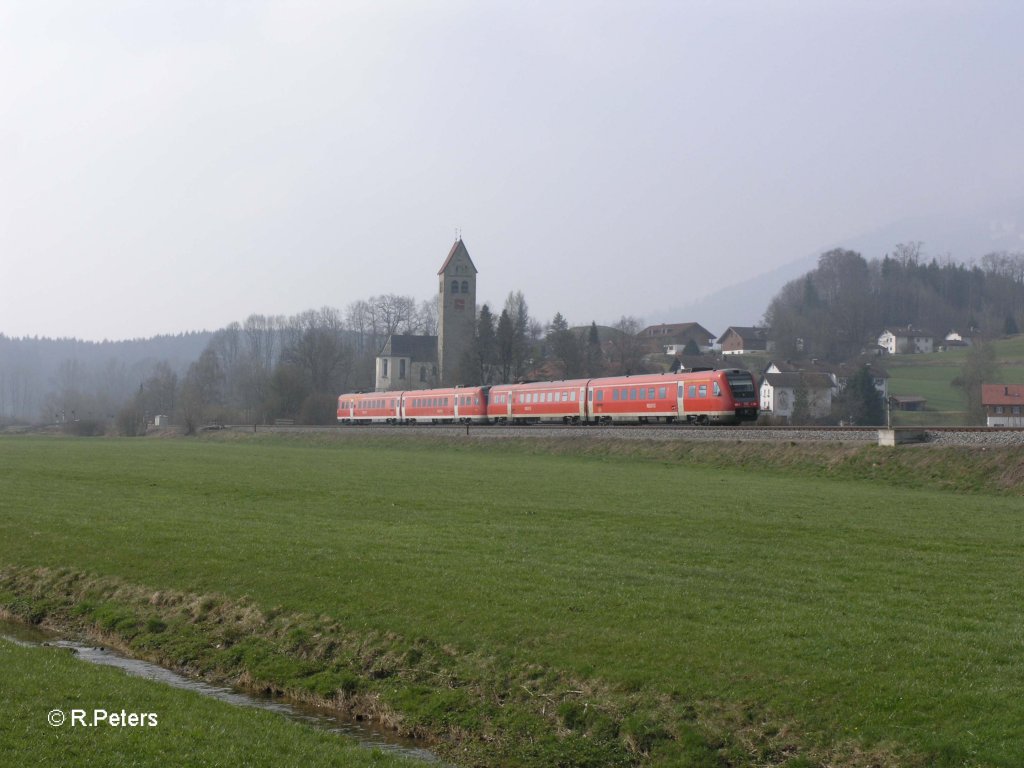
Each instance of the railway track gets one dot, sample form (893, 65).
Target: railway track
(979, 436)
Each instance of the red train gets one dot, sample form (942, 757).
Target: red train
(695, 397)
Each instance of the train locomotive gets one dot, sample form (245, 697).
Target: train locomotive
(721, 396)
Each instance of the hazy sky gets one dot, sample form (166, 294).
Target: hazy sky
(170, 166)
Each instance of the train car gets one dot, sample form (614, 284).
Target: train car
(369, 408)
(546, 401)
(695, 397)
(465, 405)
(646, 398)
(499, 404)
(471, 405)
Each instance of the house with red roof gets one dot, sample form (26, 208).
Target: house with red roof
(1003, 404)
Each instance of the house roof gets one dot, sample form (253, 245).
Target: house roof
(457, 247)
(745, 333)
(1002, 394)
(676, 329)
(794, 379)
(421, 349)
(908, 399)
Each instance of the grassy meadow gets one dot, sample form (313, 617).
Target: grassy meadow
(188, 729)
(524, 606)
(931, 377)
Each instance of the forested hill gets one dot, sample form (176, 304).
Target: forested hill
(40, 376)
(844, 304)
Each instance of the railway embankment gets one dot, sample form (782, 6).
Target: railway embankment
(967, 461)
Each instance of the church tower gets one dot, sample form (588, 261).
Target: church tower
(456, 311)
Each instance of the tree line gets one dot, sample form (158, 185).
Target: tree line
(842, 306)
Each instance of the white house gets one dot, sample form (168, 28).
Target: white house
(780, 391)
(904, 341)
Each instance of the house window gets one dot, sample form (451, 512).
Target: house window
(423, 373)
(401, 368)
(384, 369)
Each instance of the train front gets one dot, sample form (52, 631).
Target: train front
(744, 394)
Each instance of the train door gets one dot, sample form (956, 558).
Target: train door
(681, 405)
(583, 404)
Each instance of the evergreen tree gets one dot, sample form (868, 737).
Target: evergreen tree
(593, 355)
(860, 402)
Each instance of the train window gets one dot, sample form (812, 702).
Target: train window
(600, 395)
(446, 402)
(662, 392)
(632, 394)
(552, 397)
(572, 396)
(717, 390)
(623, 393)
(643, 393)
(703, 390)
(590, 396)
(692, 391)
(650, 393)
(615, 394)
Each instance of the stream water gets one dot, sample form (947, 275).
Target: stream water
(366, 733)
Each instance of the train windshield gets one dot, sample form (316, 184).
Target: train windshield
(742, 384)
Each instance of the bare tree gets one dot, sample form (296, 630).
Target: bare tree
(627, 349)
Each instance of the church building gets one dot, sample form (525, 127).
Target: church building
(422, 362)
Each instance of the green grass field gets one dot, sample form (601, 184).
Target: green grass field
(538, 608)
(172, 727)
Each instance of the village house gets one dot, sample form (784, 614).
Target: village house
(781, 391)
(906, 341)
(955, 340)
(1003, 404)
(738, 340)
(672, 338)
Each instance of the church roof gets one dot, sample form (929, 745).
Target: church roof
(457, 248)
(421, 349)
